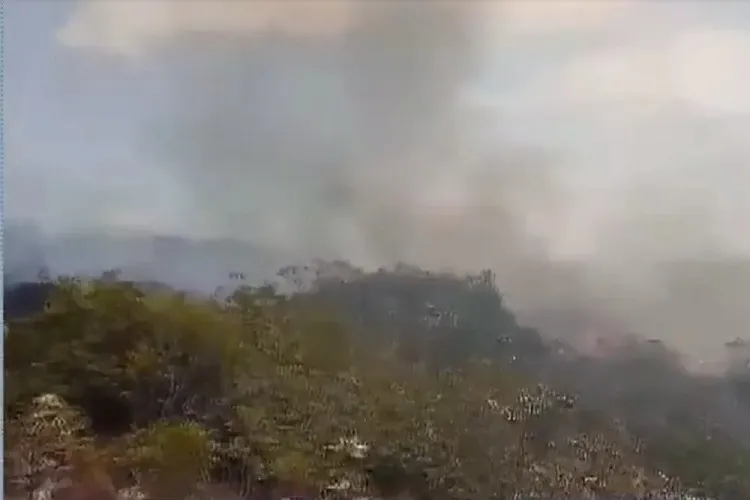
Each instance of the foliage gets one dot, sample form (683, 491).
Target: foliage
(295, 393)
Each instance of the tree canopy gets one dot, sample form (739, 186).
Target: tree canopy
(387, 383)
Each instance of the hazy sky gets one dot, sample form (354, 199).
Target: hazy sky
(616, 92)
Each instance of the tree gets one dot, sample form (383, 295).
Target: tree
(275, 394)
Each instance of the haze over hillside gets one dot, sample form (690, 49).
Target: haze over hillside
(685, 304)
(593, 154)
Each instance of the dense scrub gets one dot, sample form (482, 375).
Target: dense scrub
(388, 383)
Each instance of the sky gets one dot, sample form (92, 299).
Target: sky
(501, 134)
(620, 92)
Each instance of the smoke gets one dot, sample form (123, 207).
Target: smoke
(346, 131)
(358, 145)
(334, 144)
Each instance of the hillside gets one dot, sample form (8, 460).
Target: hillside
(447, 394)
(186, 263)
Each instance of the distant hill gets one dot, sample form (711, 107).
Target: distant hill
(185, 263)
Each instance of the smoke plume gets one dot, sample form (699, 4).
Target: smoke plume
(347, 131)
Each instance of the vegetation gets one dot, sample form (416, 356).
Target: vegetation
(391, 383)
